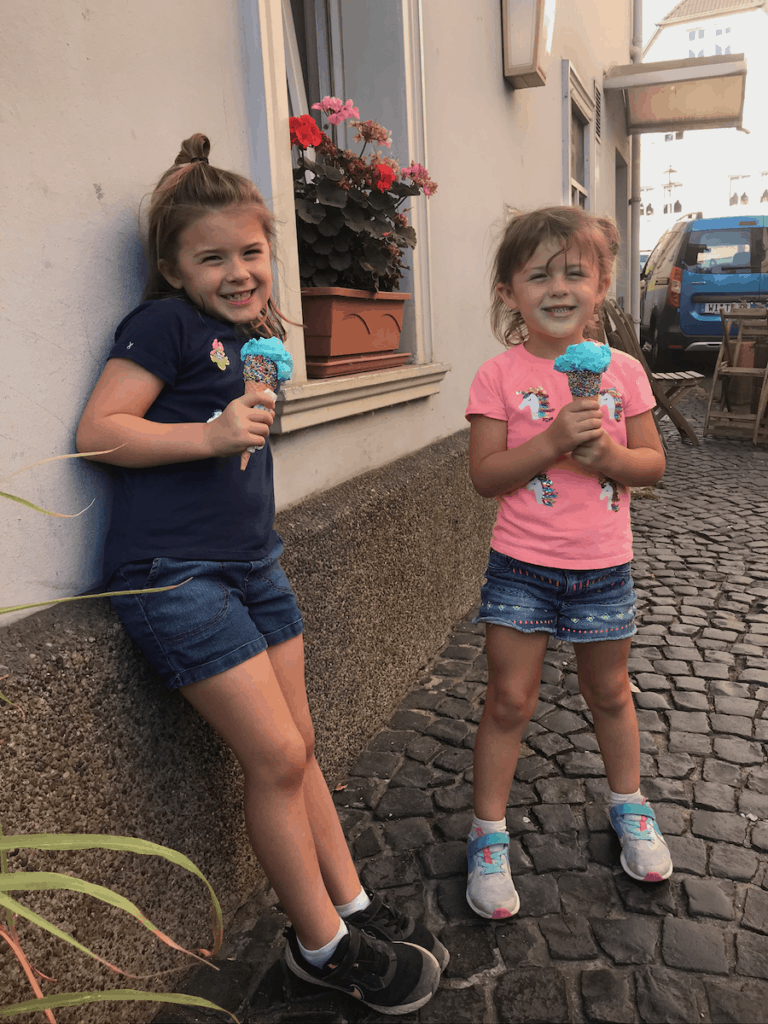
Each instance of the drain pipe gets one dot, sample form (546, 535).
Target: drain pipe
(636, 54)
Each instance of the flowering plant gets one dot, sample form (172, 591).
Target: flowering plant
(351, 227)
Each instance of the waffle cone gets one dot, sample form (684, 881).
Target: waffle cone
(583, 383)
(252, 386)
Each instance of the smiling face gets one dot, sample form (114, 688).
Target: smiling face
(555, 296)
(223, 264)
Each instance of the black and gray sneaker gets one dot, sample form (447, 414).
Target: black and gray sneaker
(391, 977)
(383, 922)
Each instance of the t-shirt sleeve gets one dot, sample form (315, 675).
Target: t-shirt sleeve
(638, 394)
(486, 396)
(153, 336)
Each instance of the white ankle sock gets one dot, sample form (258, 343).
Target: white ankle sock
(320, 957)
(360, 902)
(625, 798)
(486, 827)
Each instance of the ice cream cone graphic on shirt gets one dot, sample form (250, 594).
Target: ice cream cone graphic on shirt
(584, 365)
(265, 362)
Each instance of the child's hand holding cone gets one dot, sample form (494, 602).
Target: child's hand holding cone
(265, 362)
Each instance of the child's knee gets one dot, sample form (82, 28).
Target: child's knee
(282, 766)
(509, 707)
(609, 696)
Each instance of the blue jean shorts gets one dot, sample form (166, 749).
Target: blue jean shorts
(226, 614)
(579, 605)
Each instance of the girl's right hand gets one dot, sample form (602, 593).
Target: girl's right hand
(241, 425)
(576, 423)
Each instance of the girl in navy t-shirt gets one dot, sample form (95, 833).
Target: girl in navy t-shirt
(170, 405)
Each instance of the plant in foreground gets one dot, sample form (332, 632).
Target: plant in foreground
(16, 881)
(352, 230)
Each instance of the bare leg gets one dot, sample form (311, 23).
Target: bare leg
(604, 684)
(246, 706)
(338, 870)
(514, 674)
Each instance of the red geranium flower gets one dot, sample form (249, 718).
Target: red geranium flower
(386, 177)
(304, 131)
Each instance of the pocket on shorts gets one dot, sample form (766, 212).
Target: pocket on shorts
(197, 603)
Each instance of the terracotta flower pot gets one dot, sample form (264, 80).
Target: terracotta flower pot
(351, 331)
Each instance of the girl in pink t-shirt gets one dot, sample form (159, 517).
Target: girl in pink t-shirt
(560, 468)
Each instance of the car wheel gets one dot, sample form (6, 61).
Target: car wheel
(657, 359)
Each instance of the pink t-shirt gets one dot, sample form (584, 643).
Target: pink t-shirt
(564, 518)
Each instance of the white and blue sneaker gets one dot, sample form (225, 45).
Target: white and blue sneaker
(644, 852)
(491, 892)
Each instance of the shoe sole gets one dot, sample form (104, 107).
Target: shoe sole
(645, 878)
(498, 915)
(394, 1011)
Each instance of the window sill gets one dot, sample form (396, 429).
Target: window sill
(308, 403)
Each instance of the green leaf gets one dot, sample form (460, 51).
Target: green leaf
(37, 508)
(406, 236)
(323, 246)
(37, 881)
(88, 597)
(115, 995)
(340, 260)
(332, 173)
(376, 259)
(324, 278)
(330, 194)
(312, 213)
(123, 844)
(58, 458)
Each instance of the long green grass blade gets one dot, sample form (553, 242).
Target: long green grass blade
(39, 508)
(25, 881)
(21, 911)
(106, 996)
(124, 844)
(87, 597)
(57, 458)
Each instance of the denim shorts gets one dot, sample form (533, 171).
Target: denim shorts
(227, 613)
(579, 605)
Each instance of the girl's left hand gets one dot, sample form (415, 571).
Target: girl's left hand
(593, 455)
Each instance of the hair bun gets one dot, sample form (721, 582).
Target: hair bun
(193, 150)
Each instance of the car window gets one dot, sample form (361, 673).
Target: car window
(721, 251)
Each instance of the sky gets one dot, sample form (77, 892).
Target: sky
(653, 11)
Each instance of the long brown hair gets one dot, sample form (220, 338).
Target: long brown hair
(570, 227)
(185, 192)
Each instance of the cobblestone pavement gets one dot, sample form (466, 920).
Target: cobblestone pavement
(589, 943)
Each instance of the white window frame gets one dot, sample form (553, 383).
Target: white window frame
(575, 94)
(270, 48)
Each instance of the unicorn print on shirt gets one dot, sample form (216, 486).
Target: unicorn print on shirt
(611, 399)
(609, 493)
(537, 400)
(545, 493)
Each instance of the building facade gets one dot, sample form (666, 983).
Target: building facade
(385, 540)
(719, 169)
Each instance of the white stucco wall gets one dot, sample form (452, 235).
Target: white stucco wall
(98, 99)
(489, 147)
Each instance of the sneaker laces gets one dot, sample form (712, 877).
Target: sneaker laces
(379, 909)
(369, 955)
(491, 859)
(638, 826)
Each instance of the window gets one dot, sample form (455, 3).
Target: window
(720, 251)
(678, 207)
(642, 208)
(649, 210)
(744, 199)
(727, 49)
(718, 31)
(679, 135)
(578, 118)
(733, 201)
(764, 197)
(669, 137)
(667, 208)
(701, 33)
(692, 35)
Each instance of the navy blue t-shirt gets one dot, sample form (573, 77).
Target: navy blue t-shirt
(203, 510)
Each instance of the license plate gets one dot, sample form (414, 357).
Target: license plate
(716, 307)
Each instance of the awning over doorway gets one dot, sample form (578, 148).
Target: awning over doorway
(672, 95)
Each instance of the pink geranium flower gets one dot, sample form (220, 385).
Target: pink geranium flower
(335, 110)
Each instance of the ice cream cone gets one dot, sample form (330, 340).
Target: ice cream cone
(583, 383)
(584, 364)
(261, 372)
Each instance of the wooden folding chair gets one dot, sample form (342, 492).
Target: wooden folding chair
(668, 388)
(731, 411)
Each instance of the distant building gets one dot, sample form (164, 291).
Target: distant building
(712, 170)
